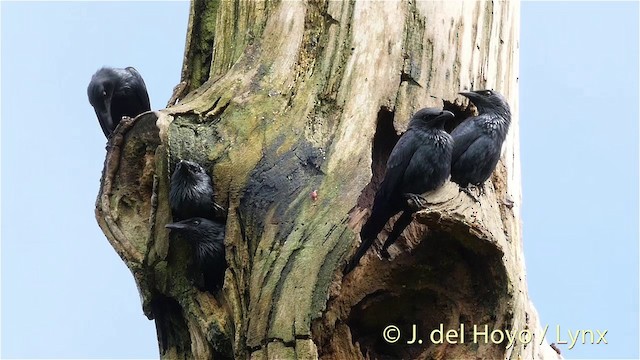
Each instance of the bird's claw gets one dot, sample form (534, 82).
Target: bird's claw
(349, 268)
(219, 212)
(508, 202)
(416, 202)
(467, 190)
(384, 253)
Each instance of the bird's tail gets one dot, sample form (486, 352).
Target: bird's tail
(368, 234)
(376, 222)
(403, 221)
(171, 326)
(362, 249)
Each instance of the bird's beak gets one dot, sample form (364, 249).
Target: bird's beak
(181, 166)
(175, 226)
(474, 97)
(105, 113)
(444, 116)
(468, 94)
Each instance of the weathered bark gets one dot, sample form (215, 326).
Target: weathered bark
(279, 99)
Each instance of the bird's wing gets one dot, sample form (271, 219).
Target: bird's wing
(397, 164)
(140, 88)
(388, 198)
(463, 136)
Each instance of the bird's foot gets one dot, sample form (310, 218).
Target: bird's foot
(481, 189)
(349, 267)
(219, 212)
(384, 253)
(416, 202)
(468, 190)
(508, 201)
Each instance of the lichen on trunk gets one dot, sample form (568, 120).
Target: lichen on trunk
(279, 100)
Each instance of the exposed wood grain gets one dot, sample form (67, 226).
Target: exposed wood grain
(279, 100)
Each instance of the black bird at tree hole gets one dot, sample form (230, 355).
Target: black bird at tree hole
(419, 162)
(191, 193)
(478, 140)
(207, 239)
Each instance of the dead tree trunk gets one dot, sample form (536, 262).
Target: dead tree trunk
(280, 99)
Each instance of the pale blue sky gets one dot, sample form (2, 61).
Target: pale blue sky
(579, 141)
(65, 292)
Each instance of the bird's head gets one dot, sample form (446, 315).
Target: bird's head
(198, 229)
(100, 92)
(488, 101)
(190, 169)
(431, 117)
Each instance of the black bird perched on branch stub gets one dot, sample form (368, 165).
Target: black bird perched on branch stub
(115, 93)
(207, 239)
(419, 162)
(478, 140)
(191, 193)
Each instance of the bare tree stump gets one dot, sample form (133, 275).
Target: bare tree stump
(280, 100)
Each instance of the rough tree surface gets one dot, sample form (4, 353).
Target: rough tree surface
(280, 99)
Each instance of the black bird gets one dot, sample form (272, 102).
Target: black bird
(207, 238)
(478, 140)
(115, 93)
(419, 162)
(191, 193)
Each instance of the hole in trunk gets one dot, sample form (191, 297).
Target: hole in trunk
(445, 282)
(461, 113)
(384, 140)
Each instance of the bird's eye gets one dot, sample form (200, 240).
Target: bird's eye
(104, 93)
(488, 93)
(196, 222)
